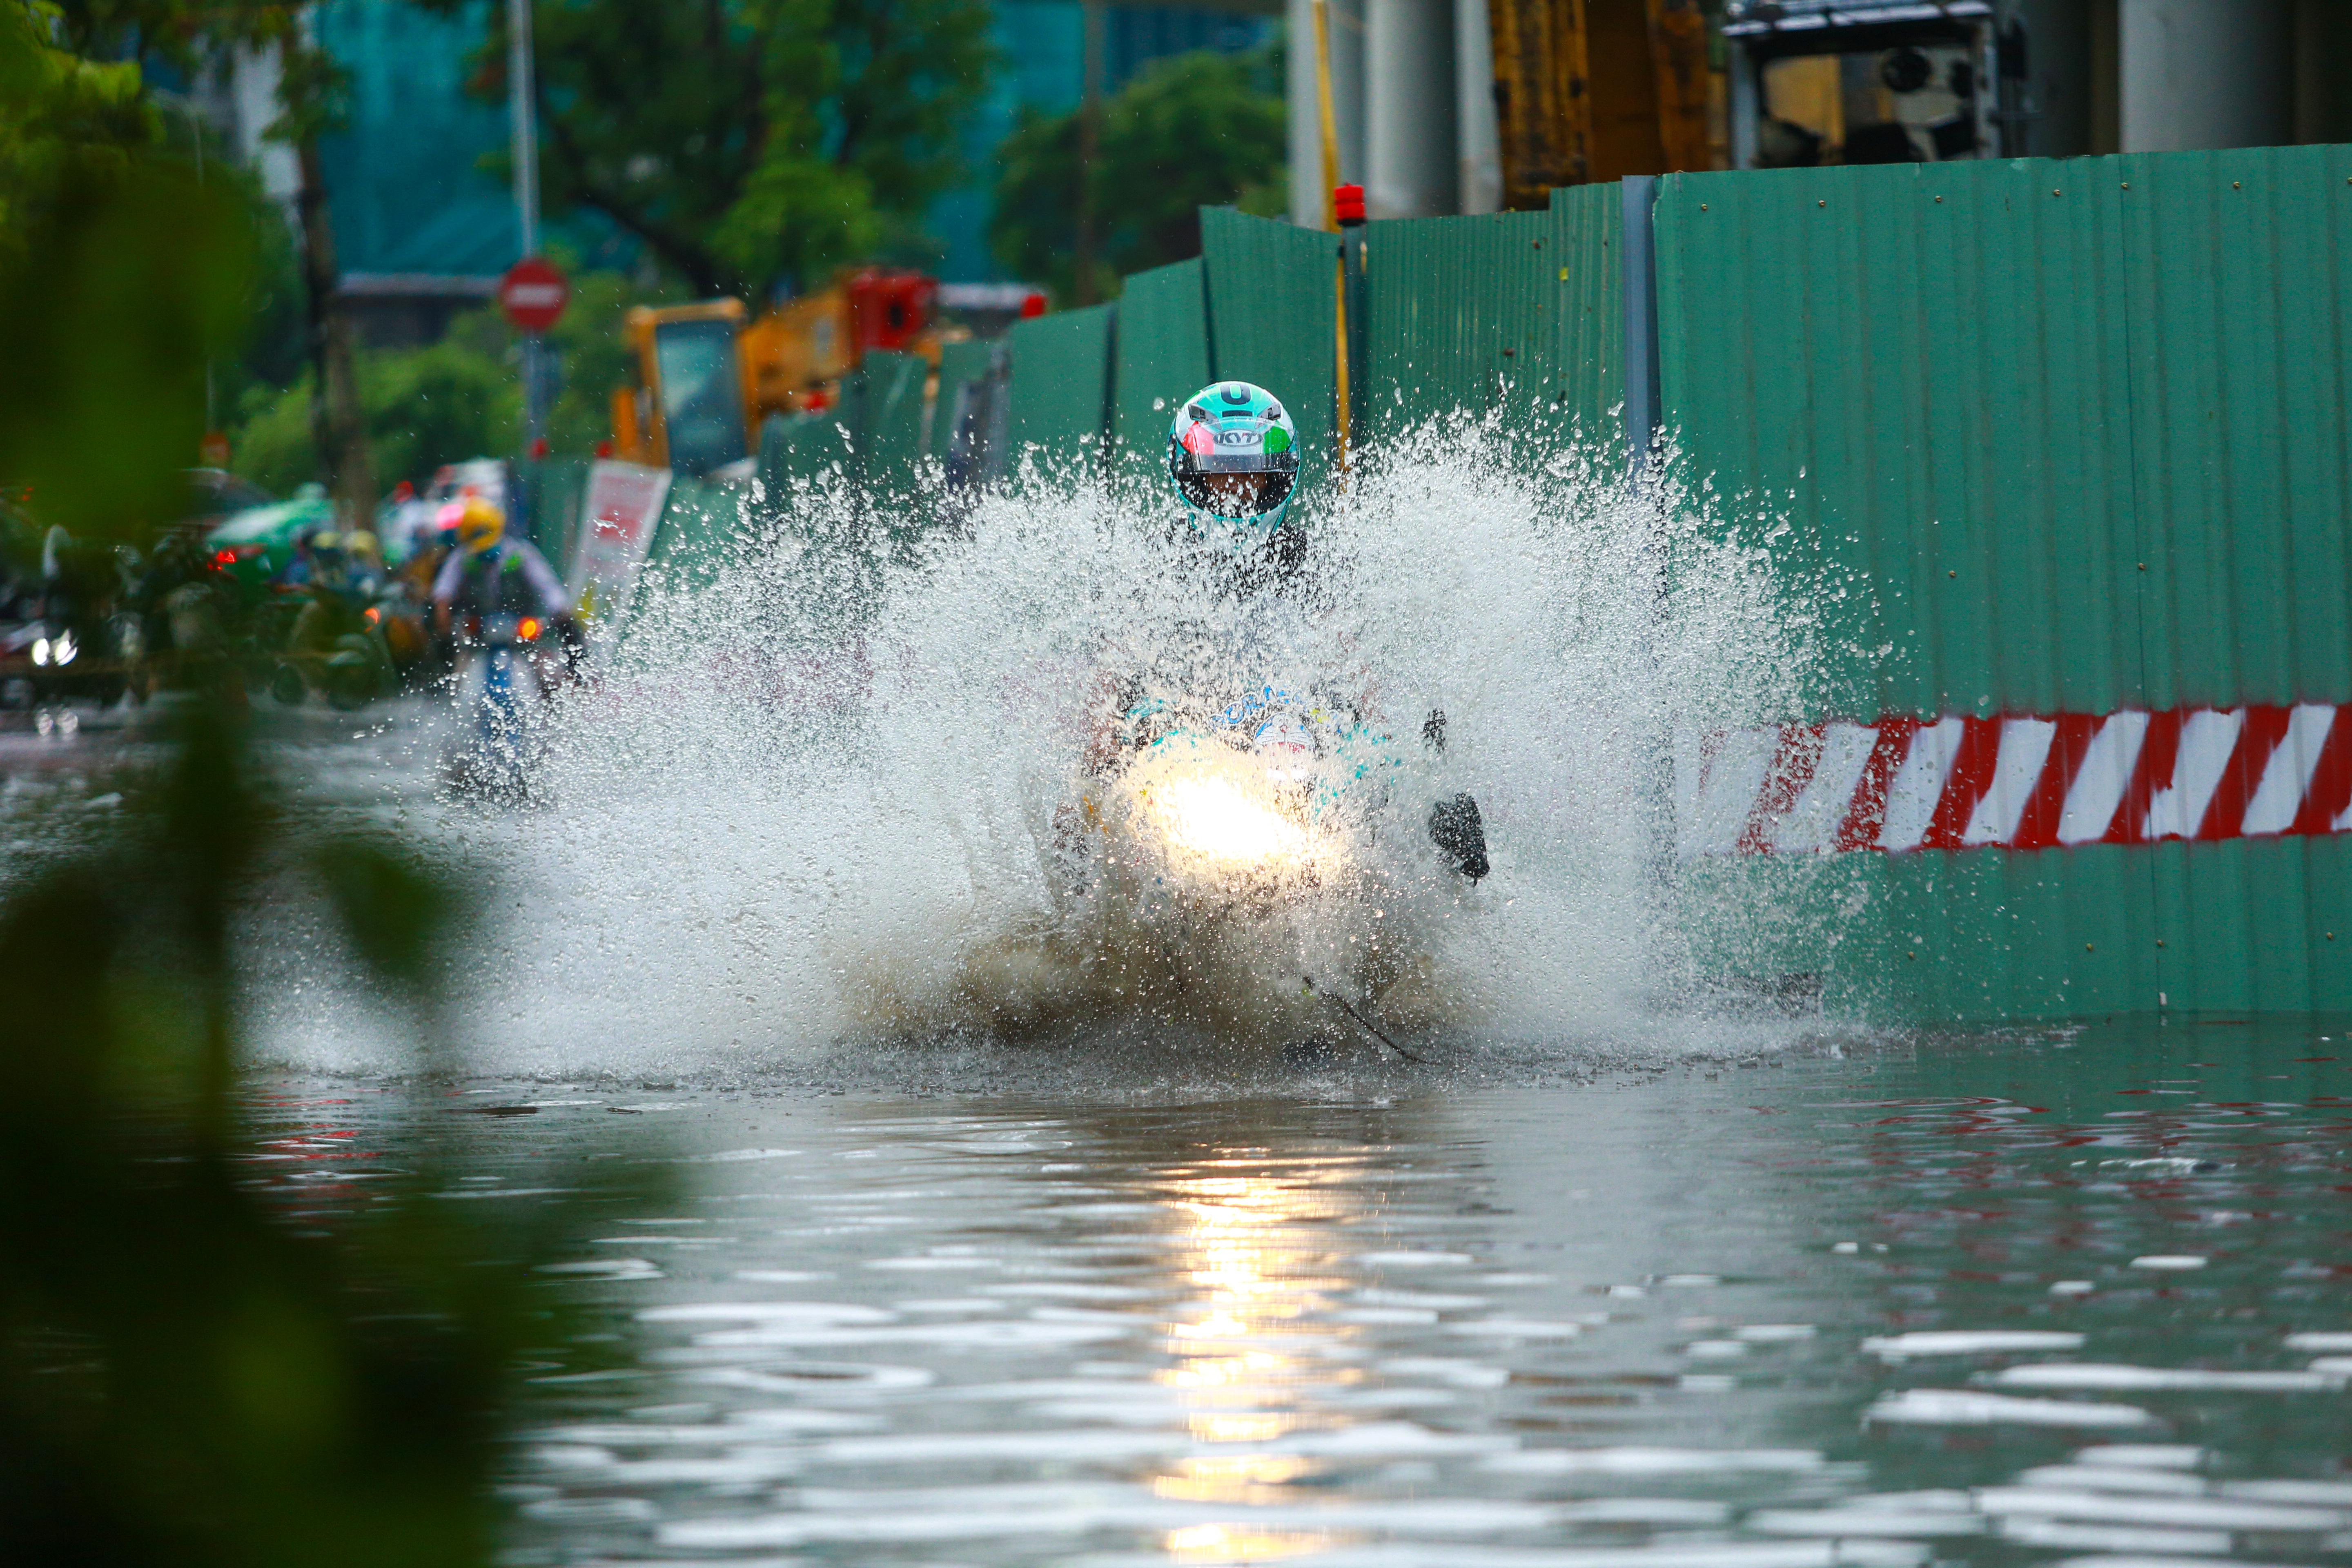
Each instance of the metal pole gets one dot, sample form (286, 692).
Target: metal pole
(1327, 119)
(1410, 154)
(523, 123)
(1746, 105)
(1090, 145)
(524, 126)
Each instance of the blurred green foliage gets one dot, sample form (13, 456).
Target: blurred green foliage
(444, 403)
(121, 274)
(459, 398)
(191, 1372)
(1195, 130)
(752, 142)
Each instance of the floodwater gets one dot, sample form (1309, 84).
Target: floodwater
(2061, 1298)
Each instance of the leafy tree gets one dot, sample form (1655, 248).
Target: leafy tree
(749, 141)
(421, 407)
(190, 35)
(455, 399)
(1198, 130)
(119, 273)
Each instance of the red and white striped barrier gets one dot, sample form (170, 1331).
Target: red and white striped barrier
(2128, 777)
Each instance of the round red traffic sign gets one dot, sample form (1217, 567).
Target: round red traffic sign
(534, 294)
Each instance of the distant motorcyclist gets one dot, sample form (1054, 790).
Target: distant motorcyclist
(489, 574)
(1233, 456)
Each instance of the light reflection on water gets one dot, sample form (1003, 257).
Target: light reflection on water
(1877, 1312)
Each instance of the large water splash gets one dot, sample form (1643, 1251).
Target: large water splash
(810, 806)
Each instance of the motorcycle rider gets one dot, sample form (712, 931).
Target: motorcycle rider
(1233, 456)
(489, 574)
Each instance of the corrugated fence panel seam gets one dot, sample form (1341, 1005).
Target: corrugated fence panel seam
(1061, 384)
(1163, 357)
(961, 364)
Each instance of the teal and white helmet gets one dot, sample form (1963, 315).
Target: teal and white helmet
(1234, 454)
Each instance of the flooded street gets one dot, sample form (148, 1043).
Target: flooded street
(2031, 1298)
(919, 1184)
(969, 785)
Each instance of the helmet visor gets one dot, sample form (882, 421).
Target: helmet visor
(1247, 494)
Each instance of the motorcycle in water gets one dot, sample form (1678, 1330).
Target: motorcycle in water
(498, 691)
(1261, 870)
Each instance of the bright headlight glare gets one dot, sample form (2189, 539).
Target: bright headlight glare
(1219, 822)
(40, 650)
(63, 649)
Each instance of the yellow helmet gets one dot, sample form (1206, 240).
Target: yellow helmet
(480, 526)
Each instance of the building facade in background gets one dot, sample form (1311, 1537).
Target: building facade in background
(423, 229)
(1043, 47)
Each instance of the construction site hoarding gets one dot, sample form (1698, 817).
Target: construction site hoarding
(1274, 322)
(1060, 392)
(1163, 358)
(2050, 457)
(2060, 454)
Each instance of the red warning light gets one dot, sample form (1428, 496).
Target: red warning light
(1349, 201)
(1033, 303)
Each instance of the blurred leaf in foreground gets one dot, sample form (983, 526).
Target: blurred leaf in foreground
(185, 1377)
(193, 1371)
(119, 273)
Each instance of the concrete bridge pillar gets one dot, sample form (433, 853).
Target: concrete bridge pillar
(2200, 74)
(1412, 155)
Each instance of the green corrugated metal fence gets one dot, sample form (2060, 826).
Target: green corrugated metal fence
(961, 365)
(1163, 358)
(1457, 317)
(1445, 297)
(1922, 366)
(699, 525)
(1587, 312)
(891, 444)
(2047, 438)
(1273, 320)
(2053, 438)
(1061, 387)
(2241, 320)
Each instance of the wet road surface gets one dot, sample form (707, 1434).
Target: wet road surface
(2081, 1299)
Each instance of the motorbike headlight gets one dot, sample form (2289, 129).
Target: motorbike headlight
(1219, 823)
(63, 648)
(40, 650)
